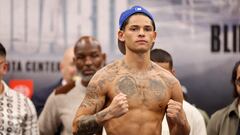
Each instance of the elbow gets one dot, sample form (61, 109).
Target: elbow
(75, 126)
(188, 129)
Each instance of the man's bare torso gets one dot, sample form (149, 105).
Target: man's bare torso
(147, 95)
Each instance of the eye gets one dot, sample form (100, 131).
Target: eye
(238, 80)
(94, 55)
(148, 29)
(133, 29)
(80, 56)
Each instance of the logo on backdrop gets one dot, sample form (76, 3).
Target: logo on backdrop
(22, 86)
(225, 38)
(33, 66)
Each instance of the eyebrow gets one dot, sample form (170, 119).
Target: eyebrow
(134, 25)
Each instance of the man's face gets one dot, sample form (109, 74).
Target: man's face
(138, 34)
(88, 59)
(237, 82)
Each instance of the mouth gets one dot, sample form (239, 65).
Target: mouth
(141, 41)
(88, 72)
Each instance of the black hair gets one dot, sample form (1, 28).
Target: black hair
(2, 50)
(234, 77)
(126, 21)
(159, 55)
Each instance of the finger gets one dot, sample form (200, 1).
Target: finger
(122, 102)
(120, 97)
(172, 113)
(123, 99)
(175, 107)
(173, 110)
(171, 116)
(174, 102)
(125, 105)
(122, 94)
(125, 110)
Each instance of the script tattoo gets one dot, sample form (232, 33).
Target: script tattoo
(88, 126)
(90, 97)
(127, 85)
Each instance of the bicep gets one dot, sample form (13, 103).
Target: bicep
(93, 101)
(176, 92)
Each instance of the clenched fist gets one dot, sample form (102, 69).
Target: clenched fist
(119, 105)
(117, 108)
(174, 108)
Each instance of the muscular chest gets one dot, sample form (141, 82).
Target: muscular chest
(142, 90)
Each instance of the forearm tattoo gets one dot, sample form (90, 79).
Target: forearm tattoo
(88, 125)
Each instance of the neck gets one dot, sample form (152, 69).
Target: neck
(85, 83)
(138, 62)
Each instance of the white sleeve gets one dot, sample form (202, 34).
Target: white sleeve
(195, 119)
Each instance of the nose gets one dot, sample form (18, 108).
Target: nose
(141, 33)
(88, 61)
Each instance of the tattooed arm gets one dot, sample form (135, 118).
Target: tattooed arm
(89, 119)
(85, 120)
(176, 117)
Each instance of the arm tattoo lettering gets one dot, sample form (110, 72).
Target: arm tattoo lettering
(91, 97)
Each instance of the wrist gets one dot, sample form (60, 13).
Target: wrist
(183, 123)
(103, 116)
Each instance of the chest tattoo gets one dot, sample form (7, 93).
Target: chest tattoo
(127, 85)
(157, 88)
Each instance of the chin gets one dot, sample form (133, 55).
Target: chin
(87, 78)
(142, 50)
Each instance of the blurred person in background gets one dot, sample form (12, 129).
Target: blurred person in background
(62, 104)
(194, 117)
(17, 113)
(226, 121)
(68, 71)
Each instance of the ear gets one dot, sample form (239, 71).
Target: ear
(104, 59)
(74, 60)
(121, 36)
(174, 72)
(5, 68)
(154, 36)
(61, 66)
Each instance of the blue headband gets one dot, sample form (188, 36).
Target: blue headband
(135, 9)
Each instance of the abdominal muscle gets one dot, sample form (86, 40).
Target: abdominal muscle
(136, 122)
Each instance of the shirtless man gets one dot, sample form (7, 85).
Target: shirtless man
(131, 95)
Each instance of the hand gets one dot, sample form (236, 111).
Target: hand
(174, 110)
(119, 105)
(177, 120)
